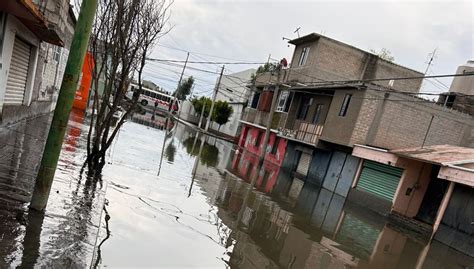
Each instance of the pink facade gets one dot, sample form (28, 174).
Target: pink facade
(251, 140)
(245, 162)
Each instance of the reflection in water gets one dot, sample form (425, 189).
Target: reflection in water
(65, 234)
(200, 211)
(280, 222)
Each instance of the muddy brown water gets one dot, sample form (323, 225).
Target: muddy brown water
(185, 206)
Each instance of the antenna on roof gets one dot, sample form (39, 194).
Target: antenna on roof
(297, 31)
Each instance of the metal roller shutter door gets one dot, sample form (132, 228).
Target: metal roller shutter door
(18, 73)
(379, 179)
(303, 164)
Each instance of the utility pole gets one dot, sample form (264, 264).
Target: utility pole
(58, 127)
(202, 115)
(214, 99)
(179, 82)
(263, 150)
(430, 62)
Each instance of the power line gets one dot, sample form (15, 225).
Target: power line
(201, 62)
(199, 53)
(400, 78)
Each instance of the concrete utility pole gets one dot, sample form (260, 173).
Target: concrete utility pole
(214, 99)
(179, 83)
(202, 115)
(57, 130)
(263, 150)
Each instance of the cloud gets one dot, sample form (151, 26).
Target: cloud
(251, 30)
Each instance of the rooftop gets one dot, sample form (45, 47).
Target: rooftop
(314, 36)
(439, 154)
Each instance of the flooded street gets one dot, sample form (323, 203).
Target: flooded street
(189, 205)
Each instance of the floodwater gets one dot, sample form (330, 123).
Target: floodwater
(179, 199)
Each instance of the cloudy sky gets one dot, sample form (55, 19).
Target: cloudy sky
(251, 30)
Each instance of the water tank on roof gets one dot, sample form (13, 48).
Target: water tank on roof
(464, 84)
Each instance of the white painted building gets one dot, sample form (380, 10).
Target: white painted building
(234, 90)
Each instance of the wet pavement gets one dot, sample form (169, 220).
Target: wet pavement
(187, 205)
(65, 234)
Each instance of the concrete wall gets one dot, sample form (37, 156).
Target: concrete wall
(51, 72)
(233, 90)
(16, 28)
(465, 84)
(416, 176)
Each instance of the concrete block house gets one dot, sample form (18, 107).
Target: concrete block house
(336, 100)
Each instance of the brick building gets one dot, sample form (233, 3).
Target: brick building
(335, 97)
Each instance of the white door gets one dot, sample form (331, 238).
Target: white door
(18, 73)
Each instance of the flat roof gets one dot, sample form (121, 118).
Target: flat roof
(315, 36)
(439, 154)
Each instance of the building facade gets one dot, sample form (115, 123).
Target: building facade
(335, 98)
(33, 38)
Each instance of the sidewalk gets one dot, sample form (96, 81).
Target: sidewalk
(65, 234)
(211, 132)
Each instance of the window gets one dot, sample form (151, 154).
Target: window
(57, 54)
(317, 114)
(282, 101)
(303, 56)
(304, 107)
(153, 95)
(345, 105)
(275, 145)
(255, 99)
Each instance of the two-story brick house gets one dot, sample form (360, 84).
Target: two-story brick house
(335, 97)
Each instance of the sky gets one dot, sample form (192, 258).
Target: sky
(252, 30)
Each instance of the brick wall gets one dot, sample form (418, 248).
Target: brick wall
(367, 113)
(330, 59)
(338, 129)
(402, 124)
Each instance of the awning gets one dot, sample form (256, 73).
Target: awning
(29, 15)
(456, 163)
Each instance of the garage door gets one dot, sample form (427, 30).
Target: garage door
(379, 179)
(18, 73)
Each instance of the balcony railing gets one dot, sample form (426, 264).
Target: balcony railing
(261, 117)
(309, 132)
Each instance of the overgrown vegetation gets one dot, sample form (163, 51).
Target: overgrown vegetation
(384, 54)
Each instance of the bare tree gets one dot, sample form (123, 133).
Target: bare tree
(123, 35)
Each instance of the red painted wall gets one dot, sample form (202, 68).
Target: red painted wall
(245, 160)
(82, 92)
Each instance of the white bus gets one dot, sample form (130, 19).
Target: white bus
(148, 98)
